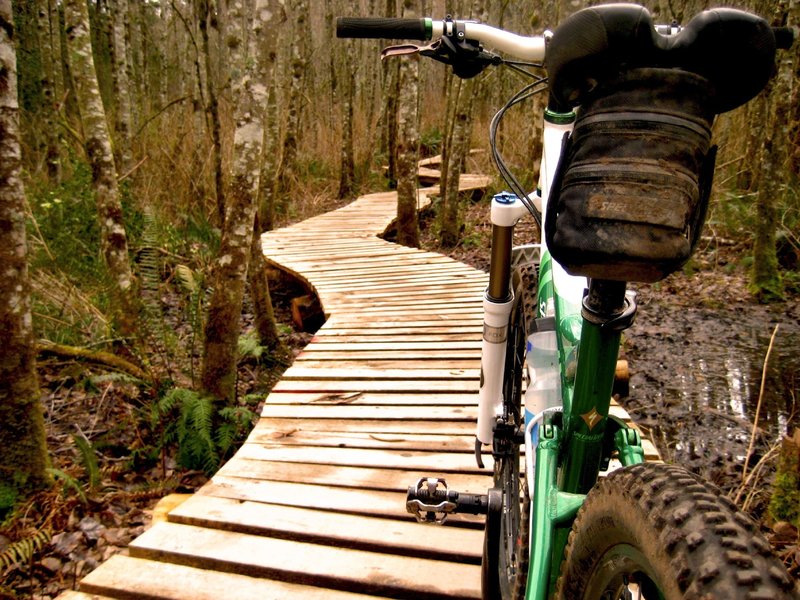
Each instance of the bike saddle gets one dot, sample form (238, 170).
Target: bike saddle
(732, 49)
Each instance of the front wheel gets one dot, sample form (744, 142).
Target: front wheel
(655, 531)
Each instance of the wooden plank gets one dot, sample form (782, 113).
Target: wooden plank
(129, 577)
(388, 413)
(335, 529)
(406, 321)
(423, 401)
(380, 427)
(414, 460)
(360, 478)
(298, 562)
(432, 355)
(423, 442)
(354, 374)
(410, 336)
(322, 345)
(388, 385)
(402, 331)
(311, 361)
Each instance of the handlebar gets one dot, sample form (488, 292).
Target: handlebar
(384, 28)
(518, 46)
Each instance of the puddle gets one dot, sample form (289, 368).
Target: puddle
(696, 379)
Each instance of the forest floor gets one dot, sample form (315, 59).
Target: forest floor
(100, 504)
(684, 332)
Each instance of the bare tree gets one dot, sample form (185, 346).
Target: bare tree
(23, 461)
(98, 149)
(284, 170)
(250, 39)
(123, 122)
(50, 47)
(408, 143)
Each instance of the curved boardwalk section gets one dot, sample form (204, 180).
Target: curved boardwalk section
(313, 505)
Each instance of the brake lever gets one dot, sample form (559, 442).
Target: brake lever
(467, 61)
(401, 50)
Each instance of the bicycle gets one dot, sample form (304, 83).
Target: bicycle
(626, 173)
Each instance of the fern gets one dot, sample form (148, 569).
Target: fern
(69, 482)
(21, 552)
(236, 423)
(88, 460)
(249, 347)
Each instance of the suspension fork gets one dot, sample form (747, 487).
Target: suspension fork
(498, 299)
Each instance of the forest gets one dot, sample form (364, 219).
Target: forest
(144, 147)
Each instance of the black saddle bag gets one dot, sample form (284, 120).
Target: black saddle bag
(631, 190)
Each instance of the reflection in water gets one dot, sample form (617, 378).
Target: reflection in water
(697, 376)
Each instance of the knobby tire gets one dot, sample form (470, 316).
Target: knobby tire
(660, 531)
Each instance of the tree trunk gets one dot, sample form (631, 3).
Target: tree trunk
(391, 90)
(347, 169)
(249, 37)
(284, 172)
(408, 144)
(459, 150)
(765, 279)
(23, 460)
(122, 88)
(48, 35)
(98, 148)
(263, 312)
(209, 92)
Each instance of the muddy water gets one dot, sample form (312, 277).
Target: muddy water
(696, 378)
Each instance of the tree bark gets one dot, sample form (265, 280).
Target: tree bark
(391, 90)
(263, 312)
(123, 122)
(249, 38)
(408, 144)
(48, 36)
(459, 150)
(284, 172)
(203, 10)
(23, 460)
(104, 175)
(347, 168)
(774, 171)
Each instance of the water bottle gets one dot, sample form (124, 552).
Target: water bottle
(544, 386)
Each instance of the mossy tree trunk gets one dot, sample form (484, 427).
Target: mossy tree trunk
(250, 38)
(408, 143)
(23, 459)
(97, 143)
(775, 170)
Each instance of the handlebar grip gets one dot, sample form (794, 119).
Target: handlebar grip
(784, 37)
(382, 28)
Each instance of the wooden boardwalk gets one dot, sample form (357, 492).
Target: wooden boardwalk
(313, 505)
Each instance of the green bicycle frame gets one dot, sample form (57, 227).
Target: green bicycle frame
(570, 453)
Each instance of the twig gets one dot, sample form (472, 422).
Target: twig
(754, 474)
(132, 169)
(758, 405)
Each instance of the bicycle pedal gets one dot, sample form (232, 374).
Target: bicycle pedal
(428, 500)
